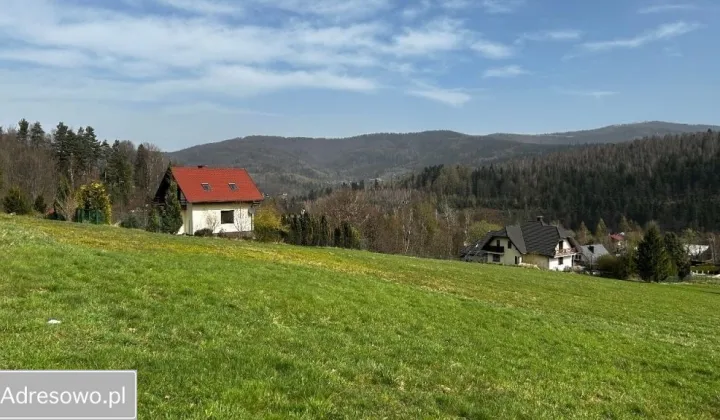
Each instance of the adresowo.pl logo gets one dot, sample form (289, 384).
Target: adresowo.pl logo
(52, 395)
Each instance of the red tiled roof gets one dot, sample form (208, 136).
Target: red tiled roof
(617, 237)
(190, 180)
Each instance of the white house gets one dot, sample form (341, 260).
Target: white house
(534, 242)
(220, 199)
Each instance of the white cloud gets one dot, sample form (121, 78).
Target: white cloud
(437, 36)
(505, 72)
(490, 6)
(206, 7)
(413, 12)
(493, 50)
(556, 35)
(502, 6)
(597, 94)
(662, 8)
(662, 32)
(452, 97)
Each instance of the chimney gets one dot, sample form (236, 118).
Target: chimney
(201, 166)
(540, 219)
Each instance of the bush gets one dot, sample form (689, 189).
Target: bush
(16, 202)
(40, 205)
(131, 221)
(616, 267)
(94, 198)
(153, 223)
(204, 232)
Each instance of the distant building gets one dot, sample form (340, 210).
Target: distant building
(221, 199)
(534, 242)
(589, 254)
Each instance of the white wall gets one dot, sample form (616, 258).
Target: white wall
(554, 263)
(203, 216)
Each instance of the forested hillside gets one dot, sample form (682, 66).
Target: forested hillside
(293, 165)
(674, 180)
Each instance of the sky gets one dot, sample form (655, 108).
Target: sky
(182, 72)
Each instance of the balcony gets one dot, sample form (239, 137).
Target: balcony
(494, 249)
(566, 252)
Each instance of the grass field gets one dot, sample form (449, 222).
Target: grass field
(229, 329)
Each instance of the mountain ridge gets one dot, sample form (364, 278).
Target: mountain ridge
(293, 164)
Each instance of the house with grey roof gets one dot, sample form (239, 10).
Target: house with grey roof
(589, 254)
(533, 242)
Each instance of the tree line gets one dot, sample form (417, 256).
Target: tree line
(43, 171)
(673, 180)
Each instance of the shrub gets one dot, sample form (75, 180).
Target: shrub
(40, 205)
(16, 202)
(204, 232)
(94, 198)
(153, 223)
(131, 221)
(267, 224)
(616, 267)
(171, 215)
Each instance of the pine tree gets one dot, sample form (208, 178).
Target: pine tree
(653, 262)
(583, 234)
(171, 216)
(141, 175)
(16, 202)
(119, 176)
(307, 229)
(324, 233)
(37, 135)
(601, 231)
(678, 255)
(153, 224)
(22, 133)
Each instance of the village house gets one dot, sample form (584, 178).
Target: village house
(533, 242)
(219, 199)
(589, 255)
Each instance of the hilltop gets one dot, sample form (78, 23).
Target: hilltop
(231, 329)
(281, 163)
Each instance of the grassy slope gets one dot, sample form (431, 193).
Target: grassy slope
(221, 329)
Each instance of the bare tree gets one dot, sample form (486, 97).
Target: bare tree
(211, 220)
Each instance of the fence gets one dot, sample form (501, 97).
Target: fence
(89, 216)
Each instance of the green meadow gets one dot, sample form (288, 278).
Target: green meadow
(222, 329)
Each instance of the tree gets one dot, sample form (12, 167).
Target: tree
(601, 231)
(678, 255)
(141, 173)
(624, 225)
(16, 202)
(22, 133)
(583, 234)
(119, 175)
(94, 198)
(324, 232)
(267, 223)
(153, 224)
(37, 135)
(40, 206)
(171, 215)
(64, 204)
(653, 262)
(478, 230)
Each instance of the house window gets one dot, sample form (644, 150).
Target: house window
(496, 258)
(205, 186)
(560, 245)
(561, 261)
(233, 186)
(227, 217)
(497, 243)
(517, 260)
(509, 244)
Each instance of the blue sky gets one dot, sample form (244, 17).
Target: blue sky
(184, 72)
